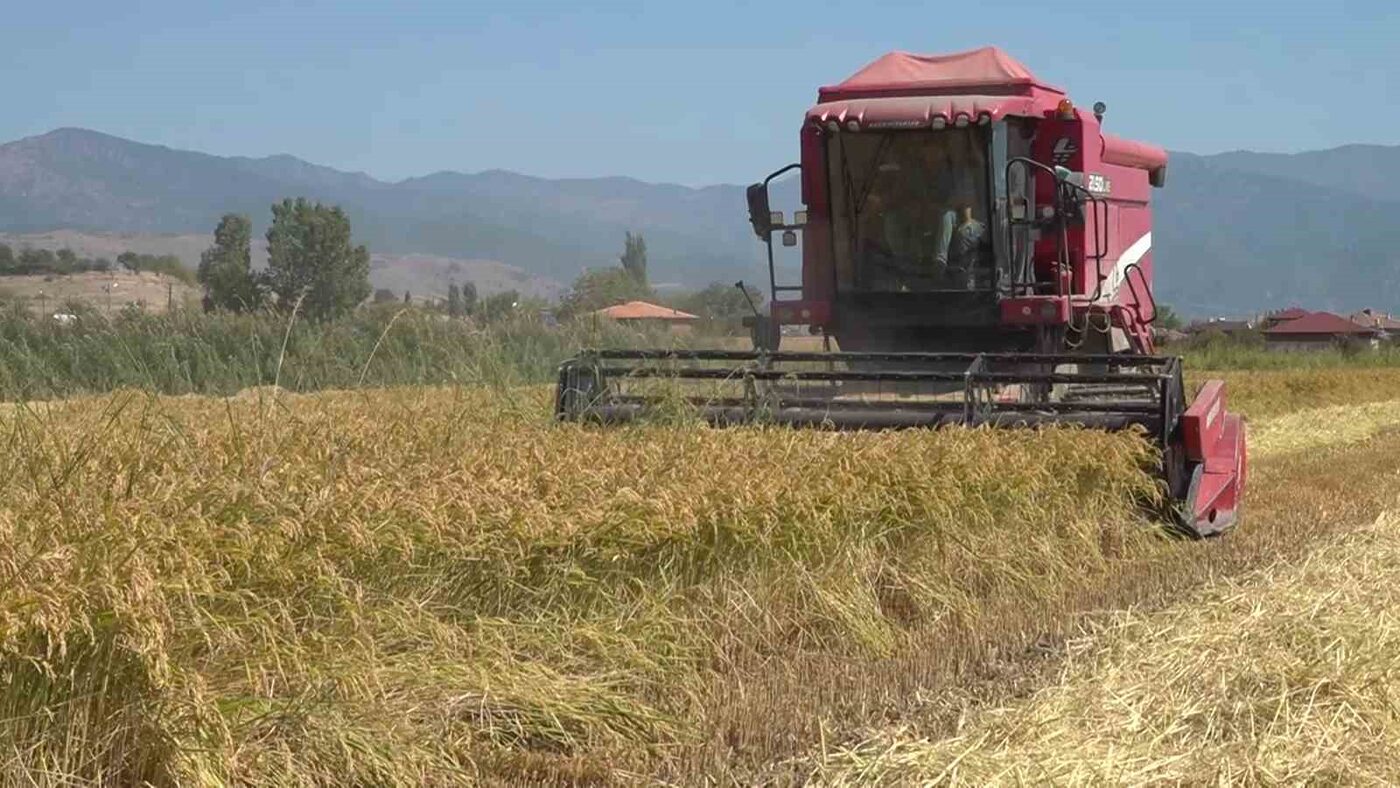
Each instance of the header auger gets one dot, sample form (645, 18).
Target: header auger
(981, 252)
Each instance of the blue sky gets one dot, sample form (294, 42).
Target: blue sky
(692, 92)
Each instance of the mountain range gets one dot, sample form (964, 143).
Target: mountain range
(1234, 233)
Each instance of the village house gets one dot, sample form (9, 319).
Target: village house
(641, 313)
(1282, 316)
(1319, 331)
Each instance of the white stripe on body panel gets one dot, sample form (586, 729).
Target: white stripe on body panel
(1132, 254)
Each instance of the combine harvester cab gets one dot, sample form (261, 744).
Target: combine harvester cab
(981, 253)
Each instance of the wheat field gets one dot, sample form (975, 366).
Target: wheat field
(438, 585)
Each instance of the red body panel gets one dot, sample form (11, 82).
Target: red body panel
(1035, 311)
(1214, 440)
(1203, 423)
(1128, 153)
(802, 312)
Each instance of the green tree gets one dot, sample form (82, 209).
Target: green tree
(36, 261)
(599, 288)
(634, 257)
(311, 259)
(8, 264)
(1168, 318)
(67, 261)
(383, 296)
(226, 268)
(170, 265)
(719, 301)
(166, 264)
(454, 301)
(469, 299)
(500, 305)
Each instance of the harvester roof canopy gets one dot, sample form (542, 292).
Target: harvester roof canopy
(985, 70)
(902, 90)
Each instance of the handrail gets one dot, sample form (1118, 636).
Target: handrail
(1137, 297)
(1098, 207)
(768, 239)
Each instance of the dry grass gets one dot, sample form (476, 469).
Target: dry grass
(1314, 427)
(1289, 677)
(440, 586)
(1267, 393)
(104, 292)
(1272, 680)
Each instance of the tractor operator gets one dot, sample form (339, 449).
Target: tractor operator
(919, 223)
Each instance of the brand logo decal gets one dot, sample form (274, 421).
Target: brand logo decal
(1064, 150)
(1099, 184)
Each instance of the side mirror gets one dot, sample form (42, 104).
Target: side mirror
(759, 214)
(1158, 177)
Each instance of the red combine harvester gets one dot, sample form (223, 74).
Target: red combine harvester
(981, 253)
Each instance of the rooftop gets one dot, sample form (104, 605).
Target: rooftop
(1320, 323)
(641, 310)
(1291, 313)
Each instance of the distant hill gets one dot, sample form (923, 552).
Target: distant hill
(1235, 232)
(1233, 241)
(1370, 171)
(85, 180)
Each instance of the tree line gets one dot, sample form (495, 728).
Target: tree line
(314, 263)
(63, 262)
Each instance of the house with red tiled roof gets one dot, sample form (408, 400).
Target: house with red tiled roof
(1319, 330)
(1283, 316)
(641, 313)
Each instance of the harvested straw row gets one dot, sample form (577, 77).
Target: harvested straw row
(1267, 393)
(1326, 426)
(1288, 677)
